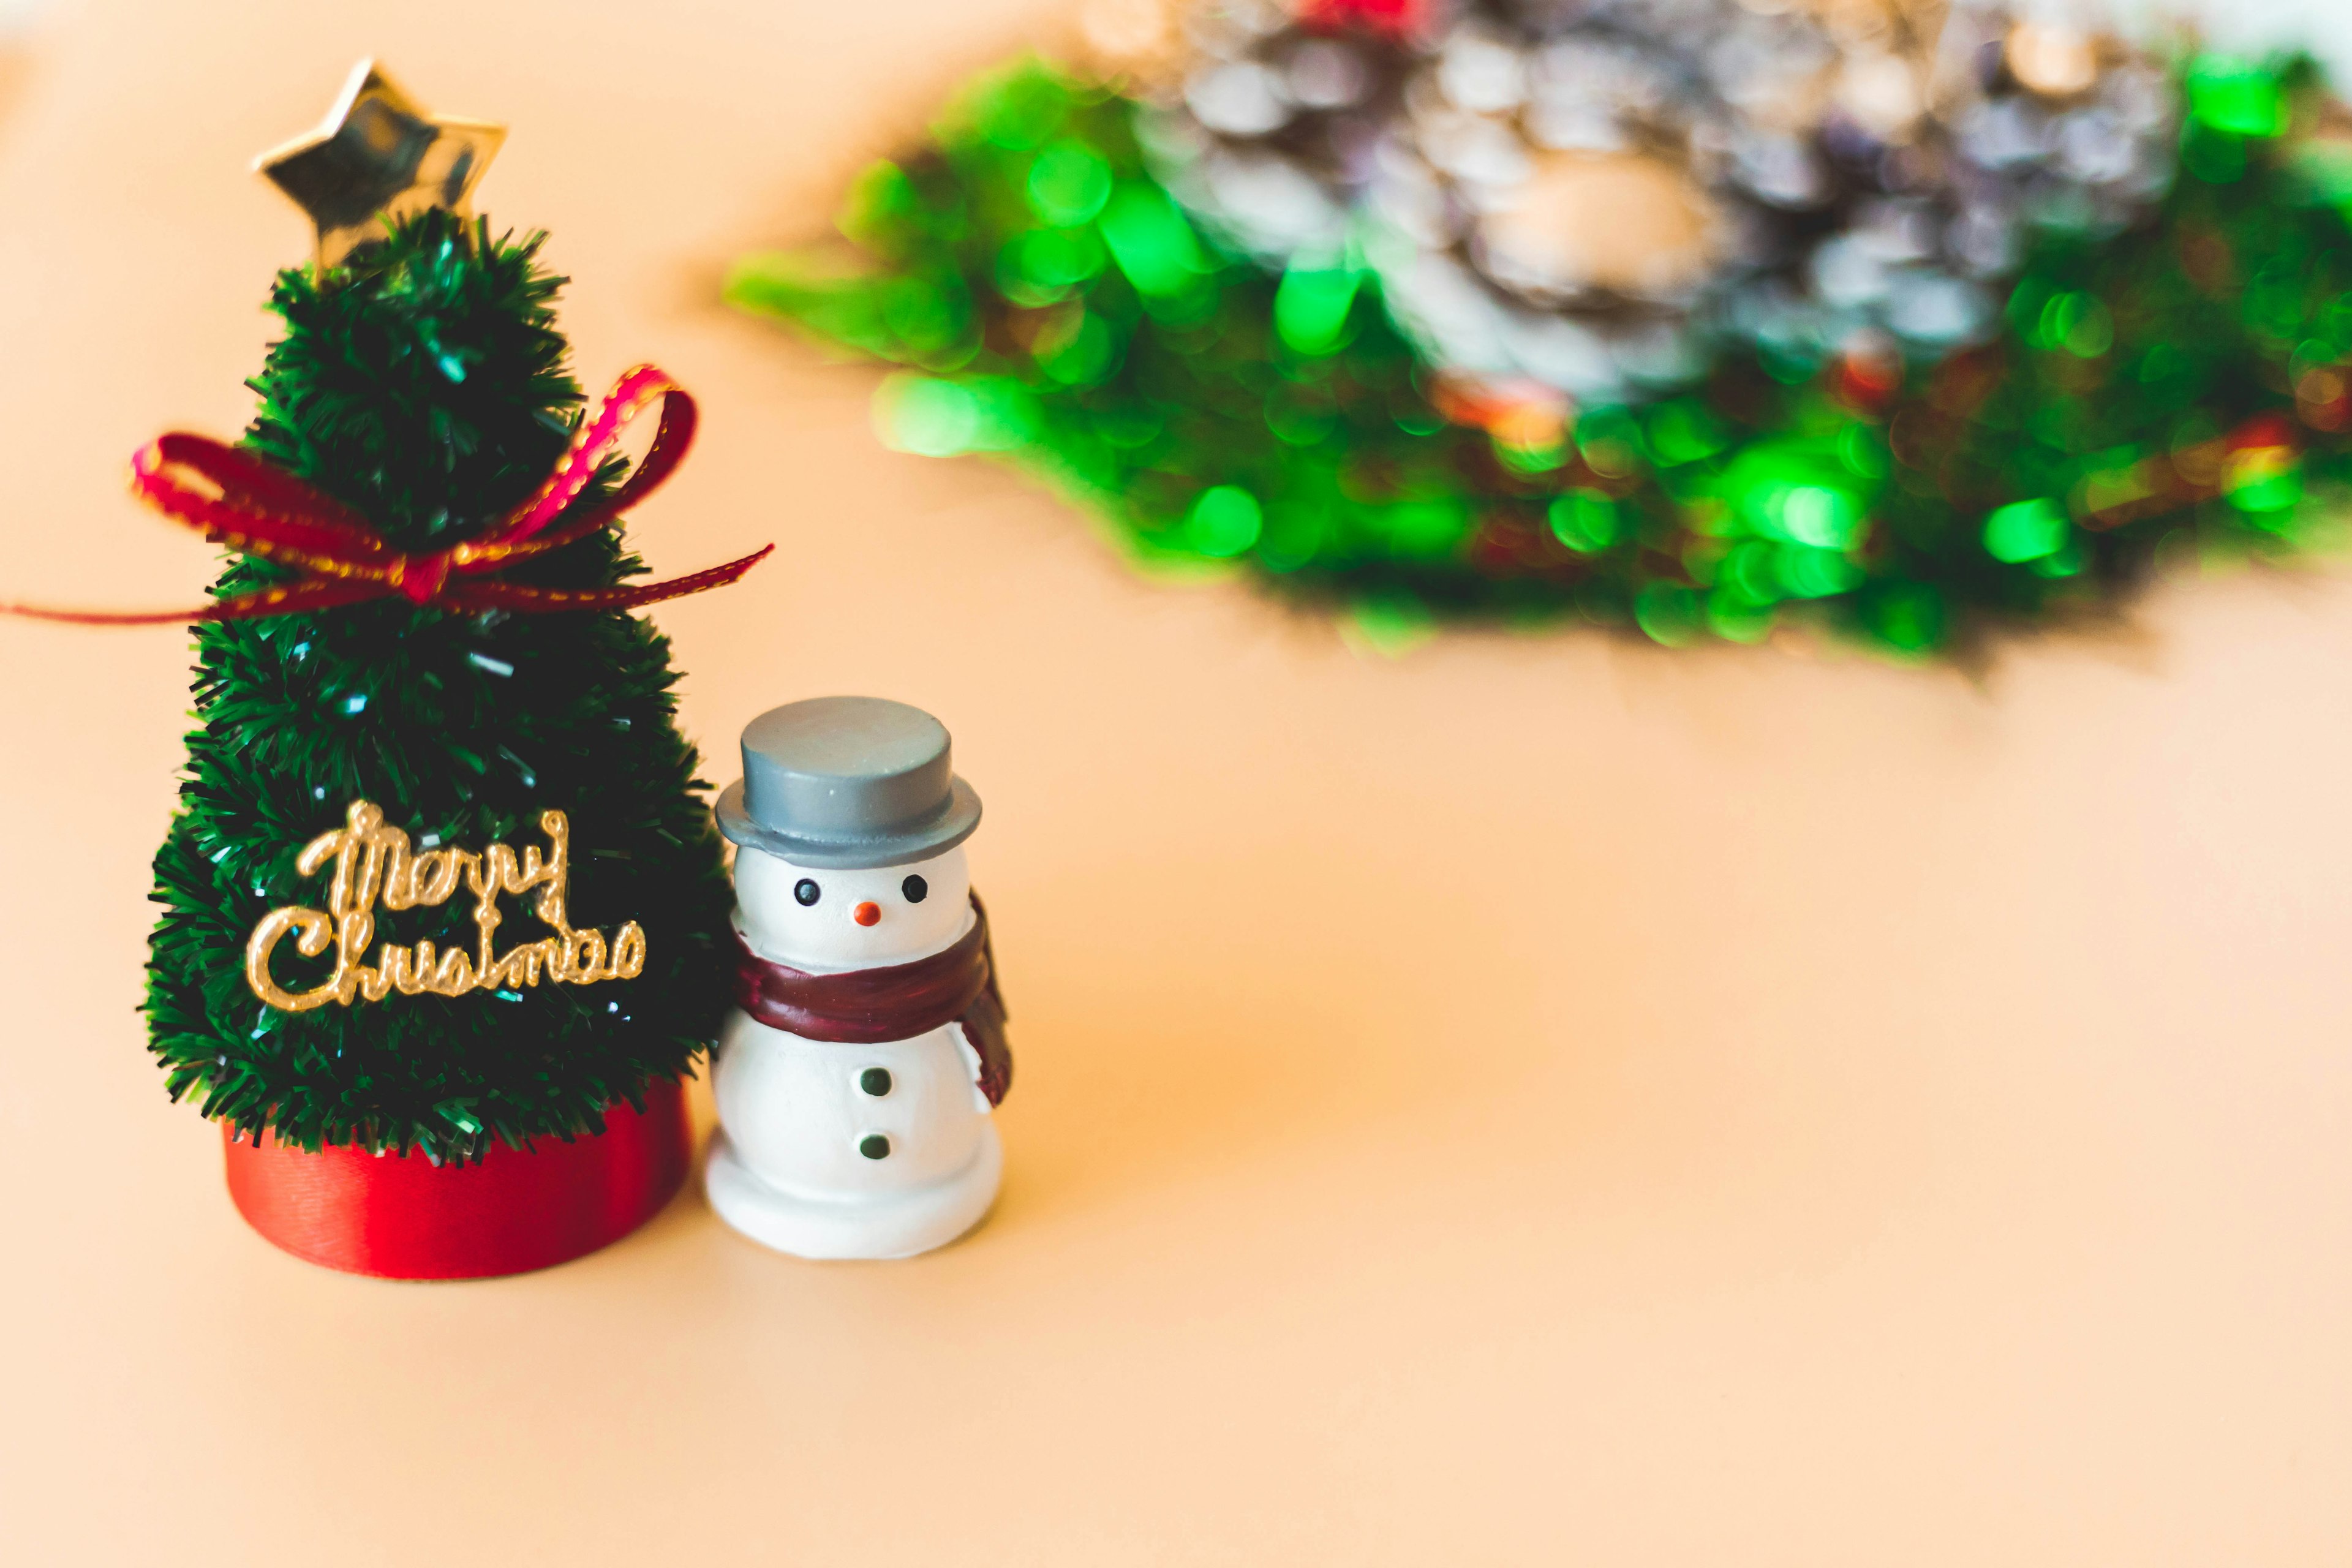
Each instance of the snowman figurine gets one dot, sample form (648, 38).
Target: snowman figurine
(855, 1077)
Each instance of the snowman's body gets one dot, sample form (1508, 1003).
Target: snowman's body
(834, 1150)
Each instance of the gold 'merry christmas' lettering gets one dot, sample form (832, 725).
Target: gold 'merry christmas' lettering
(374, 863)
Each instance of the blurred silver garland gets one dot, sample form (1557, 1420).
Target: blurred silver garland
(1581, 197)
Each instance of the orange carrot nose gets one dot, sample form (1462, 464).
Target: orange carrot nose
(867, 914)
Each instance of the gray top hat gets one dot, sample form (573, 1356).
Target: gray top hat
(840, 783)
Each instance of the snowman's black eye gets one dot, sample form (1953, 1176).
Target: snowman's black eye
(805, 891)
(916, 890)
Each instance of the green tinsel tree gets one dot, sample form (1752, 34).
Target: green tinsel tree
(423, 383)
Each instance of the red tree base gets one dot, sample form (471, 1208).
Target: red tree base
(400, 1216)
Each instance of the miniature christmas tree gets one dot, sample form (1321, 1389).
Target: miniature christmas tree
(406, 738)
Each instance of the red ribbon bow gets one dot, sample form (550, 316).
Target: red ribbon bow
(249, 504)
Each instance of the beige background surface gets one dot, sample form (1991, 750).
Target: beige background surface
(1534, 1101)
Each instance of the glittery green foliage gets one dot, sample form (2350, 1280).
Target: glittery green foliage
(424, 384)
(2169, 391)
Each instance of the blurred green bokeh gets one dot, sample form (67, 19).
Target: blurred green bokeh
(2179, 388)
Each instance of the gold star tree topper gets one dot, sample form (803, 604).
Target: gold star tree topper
(379, 154)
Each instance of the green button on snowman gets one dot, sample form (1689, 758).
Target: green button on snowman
(855, 1078)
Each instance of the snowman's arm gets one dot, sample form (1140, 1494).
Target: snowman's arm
(971, 1065)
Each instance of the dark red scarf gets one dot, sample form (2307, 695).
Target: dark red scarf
(868, 1007)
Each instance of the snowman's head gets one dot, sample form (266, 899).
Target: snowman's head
(818, 919)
